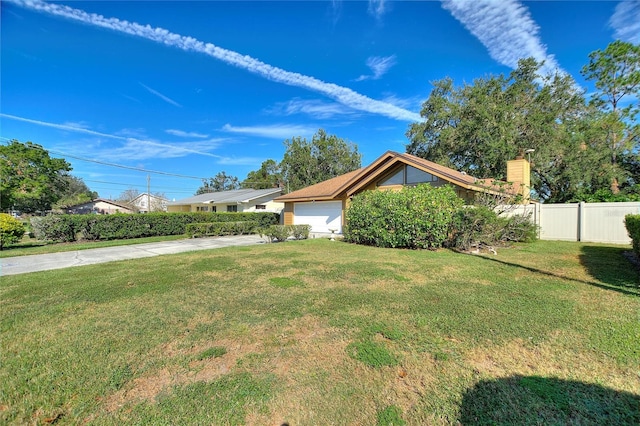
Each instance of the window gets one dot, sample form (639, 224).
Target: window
(202, 208)
(408, 175)
(213, 209)
(232, 209)
(261, 207)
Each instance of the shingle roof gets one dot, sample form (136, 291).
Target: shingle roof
(354, 181)
(227, 197)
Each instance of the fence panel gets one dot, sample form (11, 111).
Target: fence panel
(604, 222)
(559, 222)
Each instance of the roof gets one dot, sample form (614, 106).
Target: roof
(146, 194)
(228, 197)
(103, 200)
(350, 183)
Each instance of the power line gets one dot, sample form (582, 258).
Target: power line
(104, 163)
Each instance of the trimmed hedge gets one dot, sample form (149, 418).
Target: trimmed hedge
(419, 217)
(632, 223)
(208, 229)
(65, 228)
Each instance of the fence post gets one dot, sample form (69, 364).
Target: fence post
(581, 221)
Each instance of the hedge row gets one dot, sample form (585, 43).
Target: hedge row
(66, 228)
(632, 223)
(217, 229)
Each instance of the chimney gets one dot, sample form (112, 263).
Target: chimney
(519, 174)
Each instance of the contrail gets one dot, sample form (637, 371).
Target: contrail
(341, 94)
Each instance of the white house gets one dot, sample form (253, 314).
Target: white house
(143, 201)
(238, 200)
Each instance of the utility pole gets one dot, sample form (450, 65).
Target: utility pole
(148, 193)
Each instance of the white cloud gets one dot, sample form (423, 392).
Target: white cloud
(134, 148)
(377, 8)
(505, 28)
(183, 134)
(161, 96)
(341, 94)
(625, 21)
(273, 131)
(314, 107)
(379, 66)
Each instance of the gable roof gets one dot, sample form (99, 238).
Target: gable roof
(145, 195)
(228, 197)
(352, 182)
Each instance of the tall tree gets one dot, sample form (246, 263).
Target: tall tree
(616, 72)
(220, 182)
(30, 180)
(267, 176)
(478, 127)
(324, 157)
(75, 192)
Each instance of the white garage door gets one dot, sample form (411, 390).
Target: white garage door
(321, 215)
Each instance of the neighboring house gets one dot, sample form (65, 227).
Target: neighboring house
(238, 200)
(323, 205)
(100, 206)
(143, 201)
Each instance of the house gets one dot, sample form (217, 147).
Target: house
(100, 206)
(323, 205)
(156, 203)
(238, 200)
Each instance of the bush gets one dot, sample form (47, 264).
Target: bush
(480, 225)
(414, 217)
(63, 228)
(11, 230)
(283, 232)
(632, 223)
(195, 230)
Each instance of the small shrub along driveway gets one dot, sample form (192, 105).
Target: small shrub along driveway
(317, 332)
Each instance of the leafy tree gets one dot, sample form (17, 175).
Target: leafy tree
(616, 71)
(31, 180)
(478, 127)
(220, 182)
(324, 157)
(268, 176)
(74, 192)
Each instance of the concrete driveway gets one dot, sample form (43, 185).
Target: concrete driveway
(44, 262)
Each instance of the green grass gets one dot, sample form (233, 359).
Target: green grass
(319, 332)
(31, 246)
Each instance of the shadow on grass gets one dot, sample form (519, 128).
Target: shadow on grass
(623, 284)
(609, 265)
(526, 400)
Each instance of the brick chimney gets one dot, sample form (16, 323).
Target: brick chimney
(519, 174)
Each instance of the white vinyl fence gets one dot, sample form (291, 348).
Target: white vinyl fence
(589, 222)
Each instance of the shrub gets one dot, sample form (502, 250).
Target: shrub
(276, 232)
(54, 228)
(11, 230)
(414, 217)
(632, 223)
(300, 232)
(480, 225)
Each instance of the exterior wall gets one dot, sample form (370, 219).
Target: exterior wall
(288, 213)
(270, 205)
(179, 209)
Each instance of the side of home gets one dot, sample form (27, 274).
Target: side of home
(323, 205)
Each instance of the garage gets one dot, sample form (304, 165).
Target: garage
(321, 215)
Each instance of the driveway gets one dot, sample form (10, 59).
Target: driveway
(44, 262)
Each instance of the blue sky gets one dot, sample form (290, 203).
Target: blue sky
(190, 89)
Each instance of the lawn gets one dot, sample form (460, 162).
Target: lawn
(327, 333)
